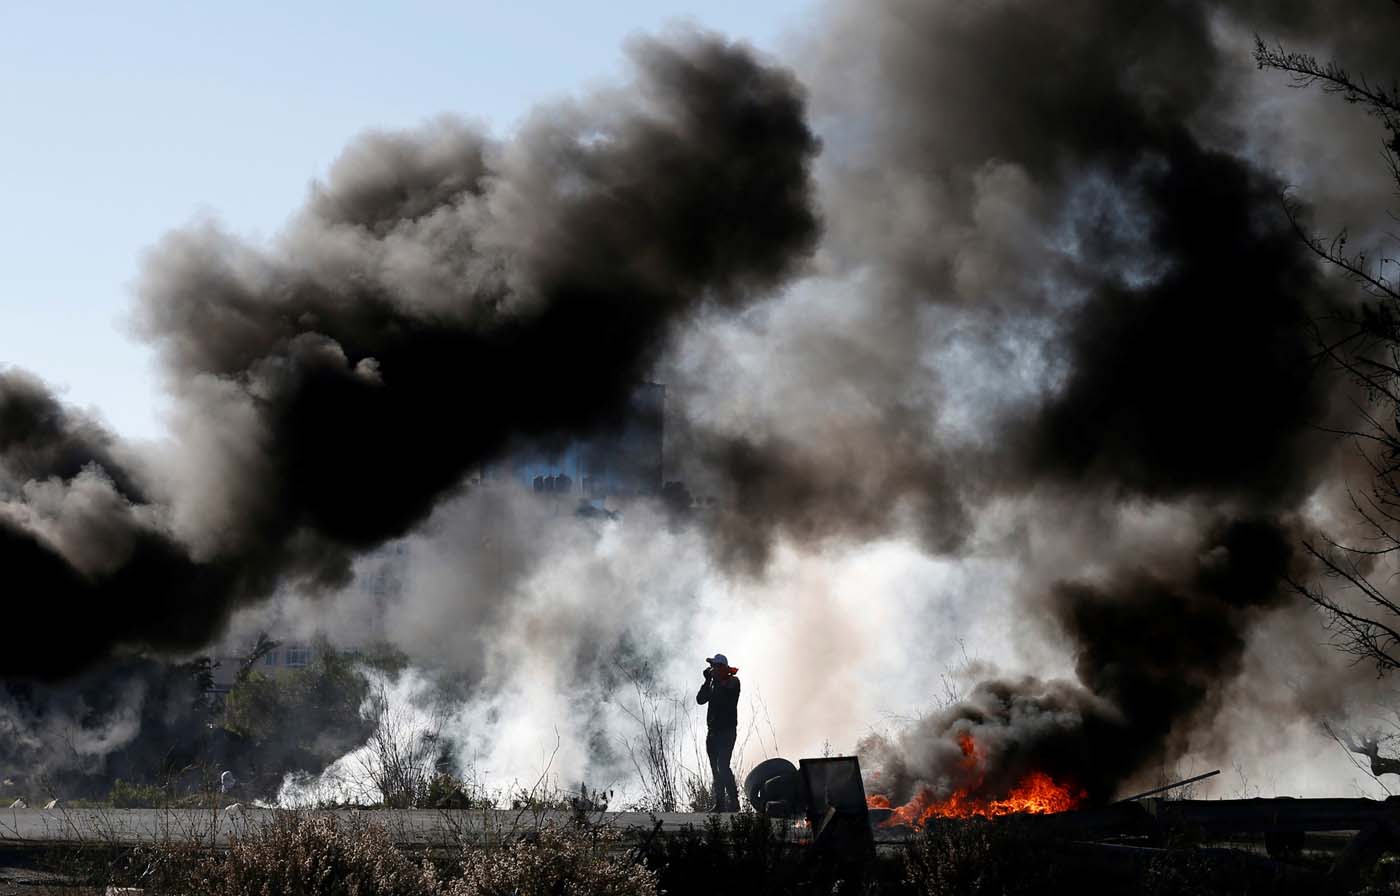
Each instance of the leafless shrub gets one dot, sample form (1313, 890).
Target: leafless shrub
(958, 857)
(655, 751)
(669, 783)
(309, 854)
(297, 855)
(404, 755)
(554, 862)
(698, 794)
(401, 765)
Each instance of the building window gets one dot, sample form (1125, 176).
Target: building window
(270, 658)
(298, 657)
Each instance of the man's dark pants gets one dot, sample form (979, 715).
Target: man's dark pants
(719, 746)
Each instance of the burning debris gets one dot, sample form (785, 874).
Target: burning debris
(1035, 793)
(1149, 653)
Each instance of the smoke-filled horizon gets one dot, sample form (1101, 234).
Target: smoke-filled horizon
(1008, 290)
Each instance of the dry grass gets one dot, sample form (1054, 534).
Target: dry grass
(555, 863)
(312, 854)
(296, 855)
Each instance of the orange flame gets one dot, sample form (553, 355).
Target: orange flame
(1035, 794)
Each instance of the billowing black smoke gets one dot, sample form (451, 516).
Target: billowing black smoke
(1151, 273)
(133, 719)
(1110, 248)
(1056, 276)
(1199, 381)
(441, 295)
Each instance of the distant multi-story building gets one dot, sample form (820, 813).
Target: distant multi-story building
(622, 462)
(280, 660)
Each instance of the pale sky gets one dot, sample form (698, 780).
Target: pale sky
(121, 121)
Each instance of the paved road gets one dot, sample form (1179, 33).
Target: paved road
(419, 827)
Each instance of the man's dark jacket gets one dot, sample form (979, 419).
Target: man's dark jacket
(722, 695)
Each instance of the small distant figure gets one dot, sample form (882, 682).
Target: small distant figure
(227, 782)
(563, 483)
(539, 483)
(720, 693)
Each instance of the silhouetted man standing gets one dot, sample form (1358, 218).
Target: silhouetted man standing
(721, 692)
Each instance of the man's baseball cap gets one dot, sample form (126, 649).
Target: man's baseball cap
(718, 659)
